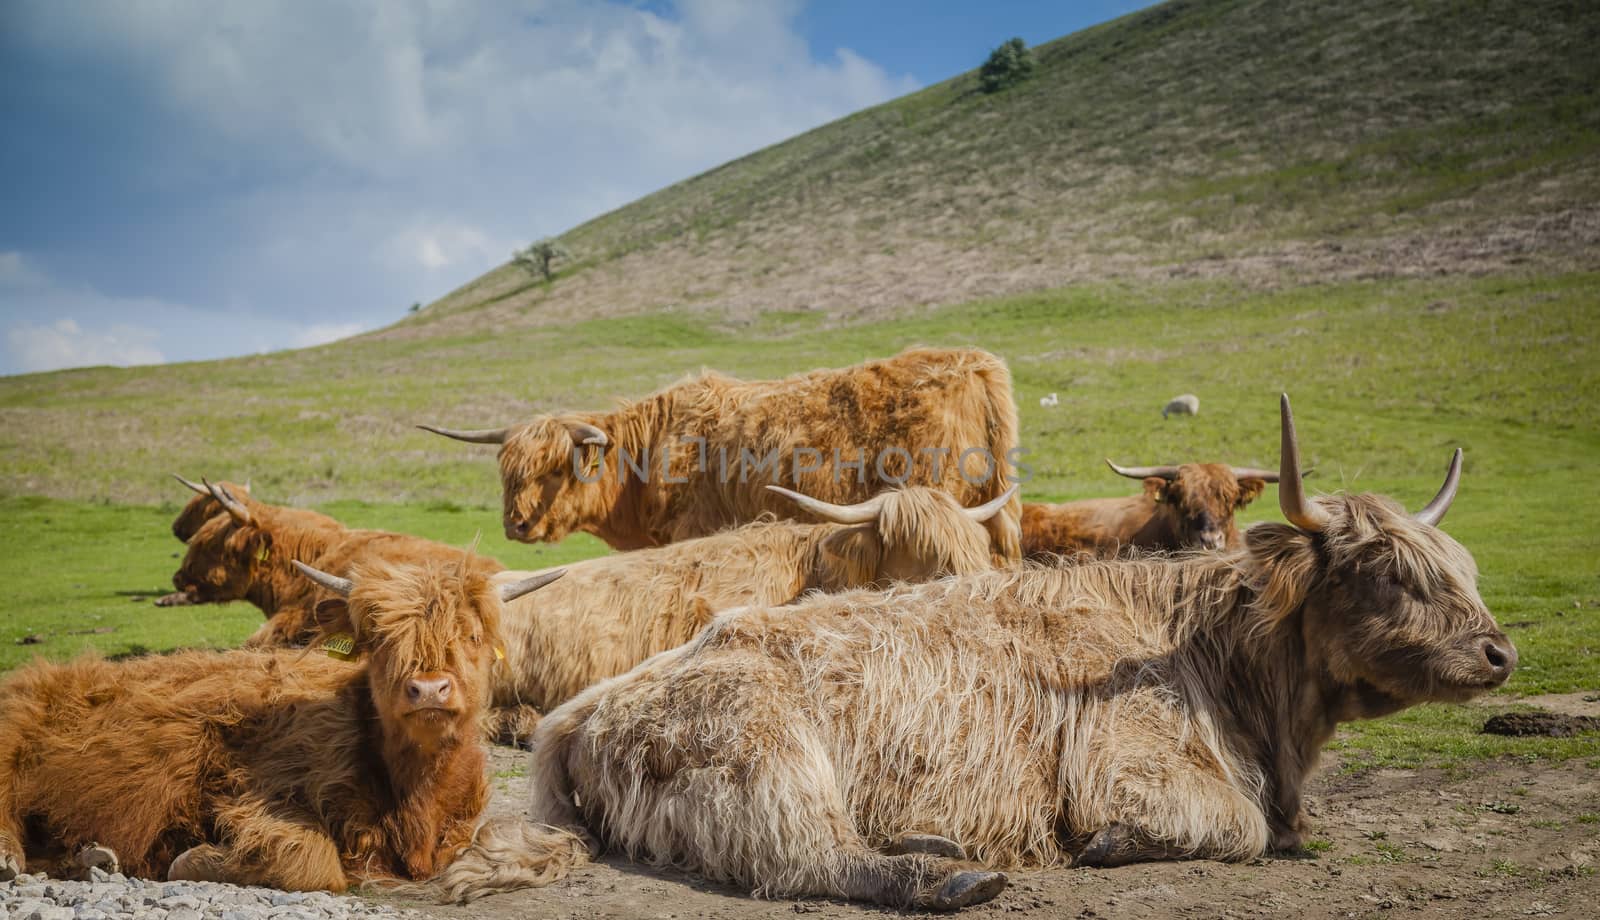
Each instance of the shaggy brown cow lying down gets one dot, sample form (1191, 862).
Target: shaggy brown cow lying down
(246, 553)
(1182, 507)
(611, 613)
(290, 769)
(869, 745)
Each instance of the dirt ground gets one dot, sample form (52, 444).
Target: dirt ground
(1502, 838)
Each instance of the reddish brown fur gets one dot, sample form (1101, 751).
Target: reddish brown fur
(268, 767)
(955, 399)
(229, 560)
(1193, 511)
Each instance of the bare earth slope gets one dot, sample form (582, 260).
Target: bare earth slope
(1260, 140)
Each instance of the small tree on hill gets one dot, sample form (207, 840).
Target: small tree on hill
(536, 257)
(1009, 64)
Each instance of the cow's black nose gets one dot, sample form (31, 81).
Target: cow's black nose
(1501, 657)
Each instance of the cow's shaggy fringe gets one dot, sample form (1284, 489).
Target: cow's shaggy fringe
(609, 614)
(1019, 713)
(922, 398)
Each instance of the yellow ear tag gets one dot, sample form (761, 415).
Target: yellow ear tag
(261, 556)
(594, 462)
(340, 645)
(499, 653)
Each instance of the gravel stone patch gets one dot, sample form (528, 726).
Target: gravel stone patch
(113, 896)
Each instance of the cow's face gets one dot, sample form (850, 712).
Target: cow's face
(1200, 501)
(430, 633)
(1391, 604)
(221, 561)
(543, 468)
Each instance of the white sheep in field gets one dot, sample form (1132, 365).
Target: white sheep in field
(1187, 404)
(1049, 401)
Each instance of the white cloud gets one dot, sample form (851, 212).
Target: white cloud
(327, 165)
(323, 333)
(64, 343)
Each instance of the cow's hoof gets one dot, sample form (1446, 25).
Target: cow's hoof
(196, 864)
(95, 856)
(965, 889)
(1110, 846)
(931, 844)
(10, 867)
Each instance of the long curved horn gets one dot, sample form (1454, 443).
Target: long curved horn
(863, 513)
(192, 486)
(229, 503)
(992, 507)
(1291, 491)
(516, 589)
(340, 586)
(1250, 472)
(1433, 512)
(584, 434)
(1141, 472)
(478, 436)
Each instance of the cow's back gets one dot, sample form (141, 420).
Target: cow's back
(132, 754)
(860, 424)
(608, 614)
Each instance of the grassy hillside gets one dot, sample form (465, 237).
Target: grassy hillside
(1267, 141)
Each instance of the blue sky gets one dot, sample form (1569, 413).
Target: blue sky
(188, 180)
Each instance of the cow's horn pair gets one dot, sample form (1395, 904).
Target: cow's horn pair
(1171, 472)
(508, 593)
(1299, 510)
(868, 511)
(225, 498)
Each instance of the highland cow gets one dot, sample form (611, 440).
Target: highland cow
(692, 459)
(1182, 507)
(289, 769)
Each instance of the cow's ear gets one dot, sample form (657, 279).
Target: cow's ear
(1157, 488)
(1250, 489)
(333, 618)
(1286, 563)
(850, 558)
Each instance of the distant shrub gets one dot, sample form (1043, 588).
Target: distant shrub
(1009, 64)
(536, 257)
(415, 307)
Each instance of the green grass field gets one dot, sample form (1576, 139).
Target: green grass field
(1386, 376)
